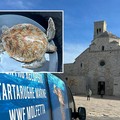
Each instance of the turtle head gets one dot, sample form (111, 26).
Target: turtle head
(50, 29)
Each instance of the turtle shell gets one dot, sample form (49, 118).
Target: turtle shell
(25, 42)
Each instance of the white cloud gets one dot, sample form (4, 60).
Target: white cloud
(19, 4)
(72, 51)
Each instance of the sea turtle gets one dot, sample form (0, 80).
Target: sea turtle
(28, 44)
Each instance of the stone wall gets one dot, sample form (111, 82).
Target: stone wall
(99, 63)
(87, 70)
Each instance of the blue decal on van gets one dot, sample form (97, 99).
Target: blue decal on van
(59, 98)
(23, 96)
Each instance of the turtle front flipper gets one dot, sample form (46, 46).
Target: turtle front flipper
(34, 64)
(50, 29)
(4, 28)
(1, 48)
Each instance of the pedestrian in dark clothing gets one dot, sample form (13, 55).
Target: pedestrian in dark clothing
(89, 93)
(102, 93)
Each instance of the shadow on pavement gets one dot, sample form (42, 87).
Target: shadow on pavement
(99, 97)
(106, 97)
(102, 118)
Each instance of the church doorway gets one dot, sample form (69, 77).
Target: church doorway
(101, 87)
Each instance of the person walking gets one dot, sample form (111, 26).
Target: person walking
(102, 93)
(89, 93)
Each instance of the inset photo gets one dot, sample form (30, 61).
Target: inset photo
(31, 41)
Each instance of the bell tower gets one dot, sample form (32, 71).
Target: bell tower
(99, 28)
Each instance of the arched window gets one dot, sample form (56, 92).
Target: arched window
(81, 65)
(103, 48)
(66, 78)
(97, 31)
(100, 30)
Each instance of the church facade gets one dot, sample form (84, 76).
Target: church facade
(98, 67)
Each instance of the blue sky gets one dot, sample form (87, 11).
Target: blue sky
(79, 18)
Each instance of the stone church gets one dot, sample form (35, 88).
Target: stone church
(98, 67)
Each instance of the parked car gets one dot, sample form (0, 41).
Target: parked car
(36, 96)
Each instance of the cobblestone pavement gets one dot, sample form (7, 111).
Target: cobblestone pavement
(106, 108)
